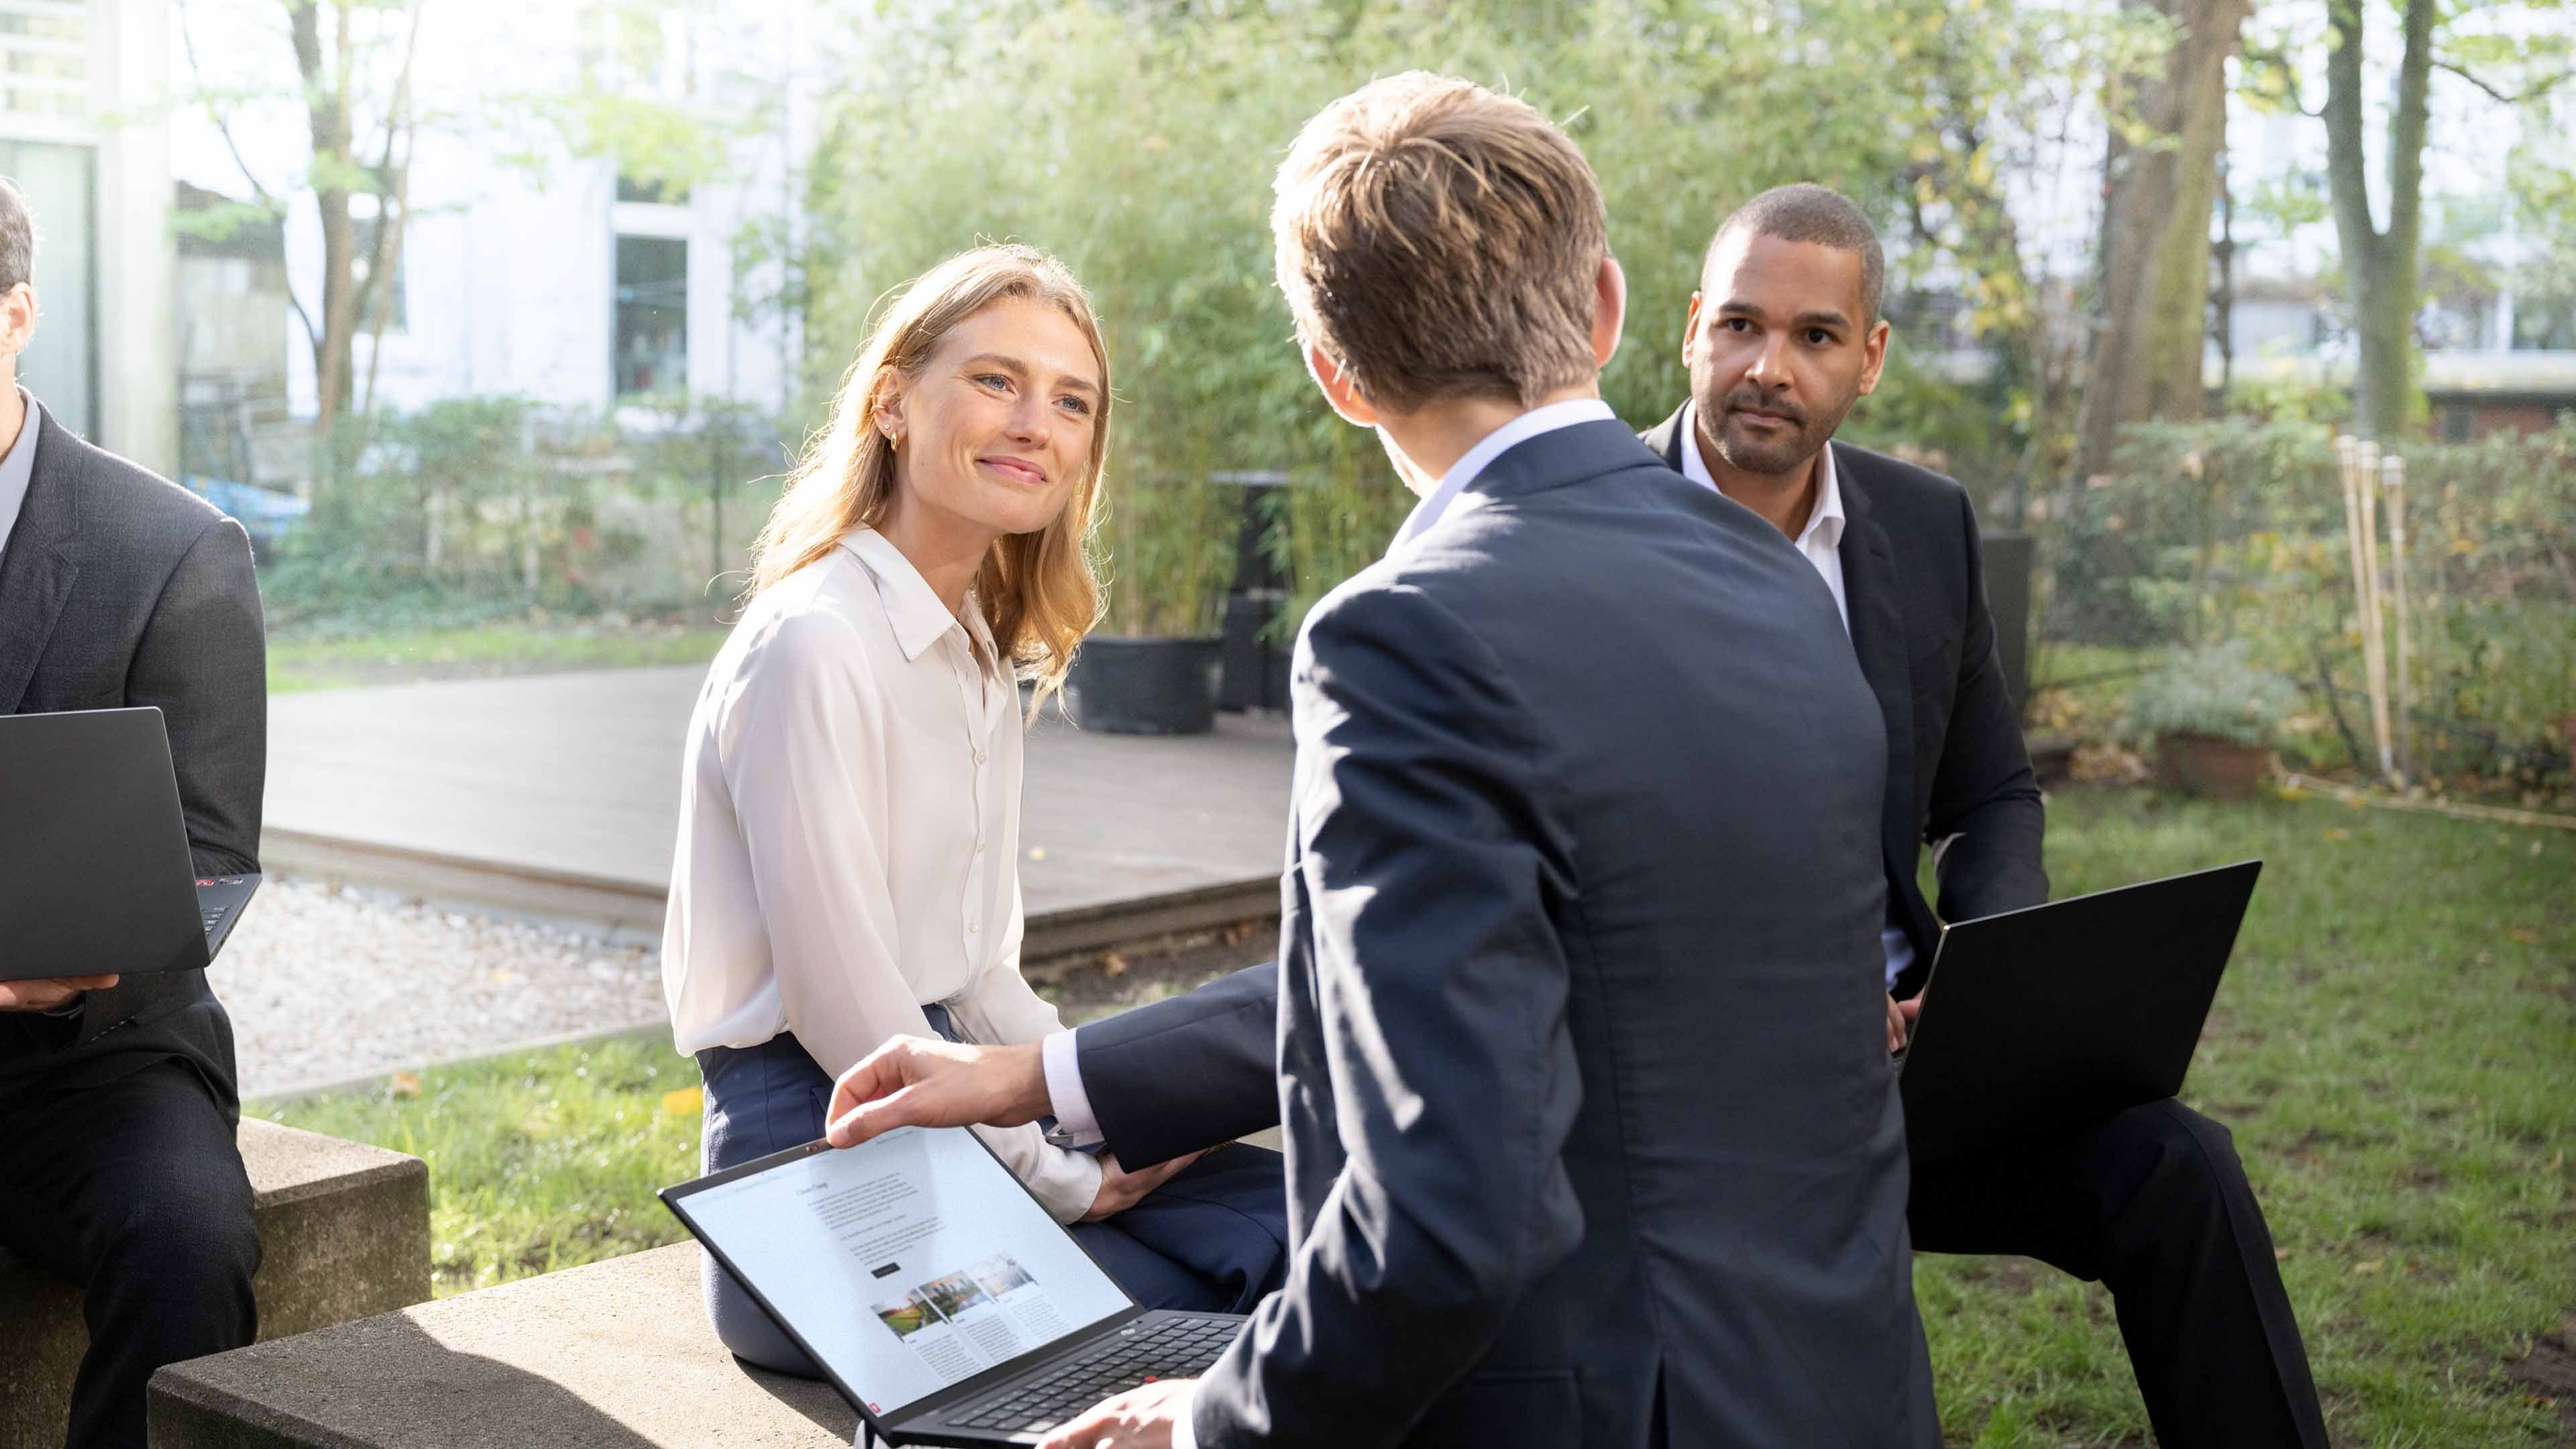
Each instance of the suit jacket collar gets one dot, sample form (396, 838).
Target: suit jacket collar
(1576, 453)
(37, 570)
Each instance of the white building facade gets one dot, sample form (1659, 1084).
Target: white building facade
(75, 76)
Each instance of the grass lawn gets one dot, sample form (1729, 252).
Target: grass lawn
(299, 660)
(2395, 1050)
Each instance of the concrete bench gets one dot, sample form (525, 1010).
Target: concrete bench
(615, 1355)
(344, 1231)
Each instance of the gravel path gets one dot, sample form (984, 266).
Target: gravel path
(326, 983)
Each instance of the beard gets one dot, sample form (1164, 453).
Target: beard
(1770, 450)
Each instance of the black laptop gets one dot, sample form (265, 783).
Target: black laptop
(934, 1291)
(94, 870)
(2067, 1012)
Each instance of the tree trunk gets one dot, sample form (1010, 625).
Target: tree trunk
(2379, 266)
(2155, 236)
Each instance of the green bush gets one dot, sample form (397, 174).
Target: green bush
(2234, 531)
(479, 508)
(2217, 693)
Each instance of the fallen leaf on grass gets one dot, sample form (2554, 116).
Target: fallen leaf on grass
(2365, 1267)
(2337, 832)
(2282, 1255)
(2525, 934)
(685, 1102)
(405, 1084)
(1113, 964)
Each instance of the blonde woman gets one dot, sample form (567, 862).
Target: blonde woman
(849, 809)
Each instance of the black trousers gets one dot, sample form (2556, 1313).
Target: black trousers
(2153, 1204)
(134, 1190)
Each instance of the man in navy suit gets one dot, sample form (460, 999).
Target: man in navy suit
(1591, 1131)
(1781, 340)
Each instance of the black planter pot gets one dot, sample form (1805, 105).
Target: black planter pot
(1132, 686)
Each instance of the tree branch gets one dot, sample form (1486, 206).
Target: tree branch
(2510, 98)
(223, 128)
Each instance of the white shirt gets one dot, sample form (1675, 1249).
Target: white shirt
(847, 706)
(1821, 541)
(17, 469)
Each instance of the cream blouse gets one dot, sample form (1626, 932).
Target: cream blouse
(849, 836)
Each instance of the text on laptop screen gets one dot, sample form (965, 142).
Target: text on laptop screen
(908, 1263)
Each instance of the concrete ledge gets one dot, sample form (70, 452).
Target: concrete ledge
(344, 1232)
(616, 1355)
(630, 911)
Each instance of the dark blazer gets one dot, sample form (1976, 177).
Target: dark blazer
(1914, 580)
(1591, 1133)
(1181, 1073)
(120, 588)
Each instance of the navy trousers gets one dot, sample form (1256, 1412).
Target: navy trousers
(1212, 1239)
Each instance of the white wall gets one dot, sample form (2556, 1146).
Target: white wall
(509, 265)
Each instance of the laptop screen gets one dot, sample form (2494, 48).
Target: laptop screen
(906, 1264)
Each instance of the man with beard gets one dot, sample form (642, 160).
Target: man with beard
(1784, 336)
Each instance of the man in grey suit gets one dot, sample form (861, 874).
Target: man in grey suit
(118, 1169)
(1591, 1133)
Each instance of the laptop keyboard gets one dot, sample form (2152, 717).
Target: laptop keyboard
(1175, 1348)
(215, 917)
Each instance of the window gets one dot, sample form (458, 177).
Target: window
(652, 347)
(388, 300)
(44, 58)
(60, 366)
(656, 193)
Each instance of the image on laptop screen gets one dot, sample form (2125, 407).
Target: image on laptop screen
(908, 1263)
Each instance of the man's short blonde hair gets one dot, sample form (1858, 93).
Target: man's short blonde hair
(1440, 241)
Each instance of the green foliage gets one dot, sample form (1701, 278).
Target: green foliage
(479, 508)
(2215, 692)
(1138, 144)
(2235, 531)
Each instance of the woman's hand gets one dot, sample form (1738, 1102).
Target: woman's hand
(1121, 1189)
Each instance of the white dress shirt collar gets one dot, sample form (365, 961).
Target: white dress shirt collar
(1436, 503)
(911, 606)
(17, 469)
(1825, 521)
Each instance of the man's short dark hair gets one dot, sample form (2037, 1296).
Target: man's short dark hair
(1807, 212)
(17, 237)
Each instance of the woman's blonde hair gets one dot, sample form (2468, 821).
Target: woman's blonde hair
(1039, 591)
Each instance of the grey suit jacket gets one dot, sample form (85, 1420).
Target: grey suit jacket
(120, 588)
(1591, 1134)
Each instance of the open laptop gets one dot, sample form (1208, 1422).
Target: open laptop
(94, 870)
(934, 1291)
(2067, 1012)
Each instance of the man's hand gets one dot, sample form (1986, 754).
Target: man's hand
(1900, 1021)
(1121, 1189)
(48, 995)
(1137, 1419)
(915, 1081)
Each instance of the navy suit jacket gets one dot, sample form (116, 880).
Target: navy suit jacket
(1591, 1134)
(1181, 1073)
